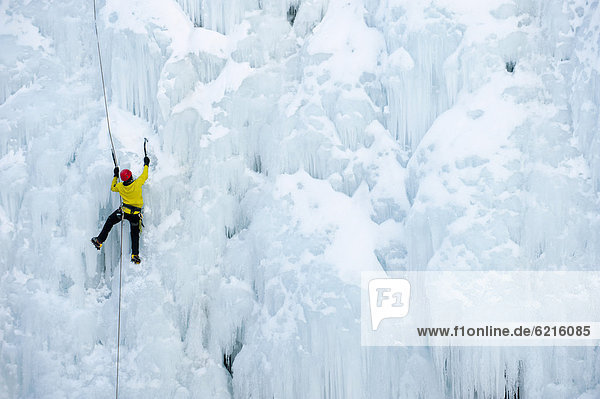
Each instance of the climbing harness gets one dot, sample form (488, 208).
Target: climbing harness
(114, 156)
(133, 209)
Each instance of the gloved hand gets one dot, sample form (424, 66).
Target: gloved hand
(116, 171)
(146, 161)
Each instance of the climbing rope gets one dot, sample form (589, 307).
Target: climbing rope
(119, 318)
(114, 156)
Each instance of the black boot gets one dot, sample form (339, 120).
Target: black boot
(136, 259)
(96, 243)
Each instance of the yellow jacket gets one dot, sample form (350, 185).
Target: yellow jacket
(131, 194)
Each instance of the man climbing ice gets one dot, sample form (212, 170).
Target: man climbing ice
(131, 193)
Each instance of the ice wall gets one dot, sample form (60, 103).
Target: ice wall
(294, 144)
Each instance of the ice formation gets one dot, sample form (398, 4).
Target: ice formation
(294, 144)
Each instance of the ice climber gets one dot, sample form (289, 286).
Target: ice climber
(131, 209)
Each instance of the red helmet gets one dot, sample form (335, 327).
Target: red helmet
(125, 174)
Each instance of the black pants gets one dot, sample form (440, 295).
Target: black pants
(134, 224)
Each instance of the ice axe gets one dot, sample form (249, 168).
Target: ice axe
(145, 152)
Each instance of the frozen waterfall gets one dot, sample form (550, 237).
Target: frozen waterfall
(293, 145)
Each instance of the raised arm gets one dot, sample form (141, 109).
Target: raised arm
(142, 179)
(115, 181)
